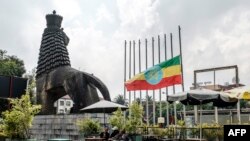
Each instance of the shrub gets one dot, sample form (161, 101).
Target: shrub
(88, 126)
(117, 119)
(18, 120)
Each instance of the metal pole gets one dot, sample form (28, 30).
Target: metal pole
(146, 49)
(159, 55)
(124, 94)
(129, 72)
(237, 85)
(195, 106)
(125, 64)
(215, 108)
(153, 90)
(182, 72)
(216, 114)
(134, 66)
(175, 113)
(200, 120)
(167, 104)
(140, 67)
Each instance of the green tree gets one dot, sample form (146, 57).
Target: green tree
(135, 117)
(11, 65)
(18, 119)
(117, 119)
(138, 100)
(32, 84)
(119, 99)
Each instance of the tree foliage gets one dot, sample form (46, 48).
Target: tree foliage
(119, 99)
(88, 126)
(117, 119)
(18, 119)
(135, 117)
(31, 85)
(11, 65)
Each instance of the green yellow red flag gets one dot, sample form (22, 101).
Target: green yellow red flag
(167, 73)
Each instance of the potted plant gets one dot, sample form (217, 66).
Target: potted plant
(18, 119)
(88, 127)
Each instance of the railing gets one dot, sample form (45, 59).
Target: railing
(183, 133)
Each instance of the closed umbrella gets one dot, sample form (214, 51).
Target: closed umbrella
(103, 106)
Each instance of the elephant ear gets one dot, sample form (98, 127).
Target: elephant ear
(98, 84)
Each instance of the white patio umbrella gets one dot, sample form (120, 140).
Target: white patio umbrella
(103, 106)
(239, 93)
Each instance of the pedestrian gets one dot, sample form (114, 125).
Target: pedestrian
(115, 132)
(105, 133)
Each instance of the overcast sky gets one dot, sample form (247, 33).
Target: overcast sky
(215, 33)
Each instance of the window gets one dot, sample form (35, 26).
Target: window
(61, 103)
(68, 103)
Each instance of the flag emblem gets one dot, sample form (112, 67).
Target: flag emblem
(154, 75)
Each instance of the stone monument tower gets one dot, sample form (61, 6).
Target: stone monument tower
(56, 78)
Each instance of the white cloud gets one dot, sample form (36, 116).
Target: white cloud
(214, 33)
(104, 15)
(66, 8)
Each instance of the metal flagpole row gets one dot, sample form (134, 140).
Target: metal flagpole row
(128, 68)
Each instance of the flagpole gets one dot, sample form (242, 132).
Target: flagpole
(125, 64)
(175, 114)
(134, 66)
(153, 90)
(124, 94)
(159, 55)
(129, 72)
(146, 49)
(167, 104)
(182, 73)
(139, 43)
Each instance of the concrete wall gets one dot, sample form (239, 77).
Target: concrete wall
(60, 126)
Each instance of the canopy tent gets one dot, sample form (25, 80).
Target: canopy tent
(103, 106)
(202, 96)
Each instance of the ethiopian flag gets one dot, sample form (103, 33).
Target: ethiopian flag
(165, 74)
